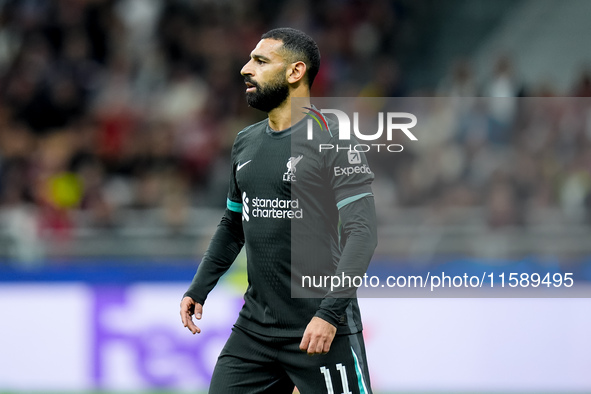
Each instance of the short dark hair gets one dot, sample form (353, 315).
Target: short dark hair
(300, 47)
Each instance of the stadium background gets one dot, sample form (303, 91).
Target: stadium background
(116, 119)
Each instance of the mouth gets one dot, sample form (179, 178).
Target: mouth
(250, 87)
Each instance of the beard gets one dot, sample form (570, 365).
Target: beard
(268, 97)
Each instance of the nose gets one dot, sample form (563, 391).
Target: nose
(247, 69)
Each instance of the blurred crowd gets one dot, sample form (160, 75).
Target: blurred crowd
(111, 104)
(516, 161)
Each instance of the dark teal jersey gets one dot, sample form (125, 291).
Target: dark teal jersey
(289, 197)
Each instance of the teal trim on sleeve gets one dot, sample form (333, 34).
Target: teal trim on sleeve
(233, 206)
(351, 199)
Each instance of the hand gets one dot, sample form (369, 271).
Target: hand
(318, 336)
(188, 308)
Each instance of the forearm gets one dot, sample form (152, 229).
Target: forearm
(359, 227)
(221, 253)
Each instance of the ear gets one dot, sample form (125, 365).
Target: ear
(295, 72)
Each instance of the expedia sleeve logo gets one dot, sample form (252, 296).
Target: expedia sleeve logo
(354, 157)
(271, 208)
(348, 171)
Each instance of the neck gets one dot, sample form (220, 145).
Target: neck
(282, 117)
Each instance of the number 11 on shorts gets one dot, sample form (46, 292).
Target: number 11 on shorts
(328, 380)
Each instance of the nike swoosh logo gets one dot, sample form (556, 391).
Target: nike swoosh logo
(239, 166)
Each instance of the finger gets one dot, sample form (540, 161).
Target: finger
(186, 318)
(187, 305)
(184, 315)
(326, 347)
(312, 346)
(188, 322)
(192, 327)
(305, 342)
(198, 311)
(187, 309)
(319, 347)
(185, 312)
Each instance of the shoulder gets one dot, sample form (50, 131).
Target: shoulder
(333, 128)
(245, 135)
(249, 130)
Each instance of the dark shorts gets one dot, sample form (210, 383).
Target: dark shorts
(251, 363)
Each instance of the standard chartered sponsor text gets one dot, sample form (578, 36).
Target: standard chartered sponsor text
(276, 208)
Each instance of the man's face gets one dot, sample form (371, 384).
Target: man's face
(264, 75)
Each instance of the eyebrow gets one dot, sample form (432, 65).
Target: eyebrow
(255, 56)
